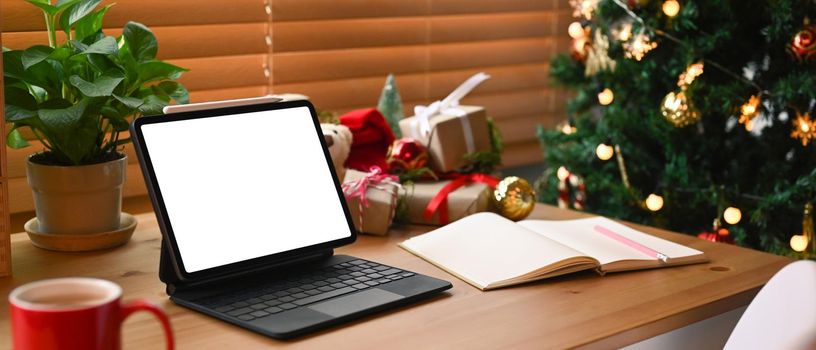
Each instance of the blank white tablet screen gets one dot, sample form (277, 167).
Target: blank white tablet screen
(242, 186)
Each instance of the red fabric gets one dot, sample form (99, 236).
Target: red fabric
(372, 137)
(440, 201)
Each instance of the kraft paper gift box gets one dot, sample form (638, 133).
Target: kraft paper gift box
(381, 196)
(466, 200)
(454, 132)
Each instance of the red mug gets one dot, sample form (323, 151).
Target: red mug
(74, 313)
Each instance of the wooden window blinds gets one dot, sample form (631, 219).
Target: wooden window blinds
(338, 52)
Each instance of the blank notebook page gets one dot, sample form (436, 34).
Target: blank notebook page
(485, 248)
(581, 235)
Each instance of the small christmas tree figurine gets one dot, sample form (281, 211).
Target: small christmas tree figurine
(390, 105)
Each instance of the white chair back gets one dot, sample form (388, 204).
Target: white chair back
(783, 314)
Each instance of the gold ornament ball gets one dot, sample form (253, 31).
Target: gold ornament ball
(671, 8)
(604, 151)
(678, 110)
(654, 202)
(799, 243)
(732, 215)
(514, 198)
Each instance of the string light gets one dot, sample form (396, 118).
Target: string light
(748, 111)
(583, 8)
(622, 31)
(671, 8)
(604, 151)
(732, 215)
(567, 128)
(562, 173)
(576, 30)
(799, 243)
(693, 71)
(654, 202)
(638, 46)
(749, 125)
(605, 97)
(804, 128)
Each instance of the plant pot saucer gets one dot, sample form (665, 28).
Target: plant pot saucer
(82, 242)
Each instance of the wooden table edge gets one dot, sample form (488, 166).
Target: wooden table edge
(673, 322)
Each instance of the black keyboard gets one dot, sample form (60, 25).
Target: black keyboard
(304, 289)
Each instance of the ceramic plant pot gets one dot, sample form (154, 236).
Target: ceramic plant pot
(77, 200)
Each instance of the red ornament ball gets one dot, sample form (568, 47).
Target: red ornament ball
(803, 45)
(717, 235)
(406, 154)
(636, 4)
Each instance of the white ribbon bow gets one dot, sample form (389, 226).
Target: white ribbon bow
(421, 125)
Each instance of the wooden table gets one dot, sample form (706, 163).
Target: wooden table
(579, 310)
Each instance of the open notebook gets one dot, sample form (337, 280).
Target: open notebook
(489, 251)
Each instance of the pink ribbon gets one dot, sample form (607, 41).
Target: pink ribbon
(375, 178)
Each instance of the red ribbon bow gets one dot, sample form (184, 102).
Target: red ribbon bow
(440, 201)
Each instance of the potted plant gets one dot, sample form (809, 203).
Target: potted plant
(77, 98)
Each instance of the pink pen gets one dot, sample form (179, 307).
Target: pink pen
(632, 244)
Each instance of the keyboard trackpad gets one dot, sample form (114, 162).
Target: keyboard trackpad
(355, 302)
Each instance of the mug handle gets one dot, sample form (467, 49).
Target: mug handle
(143, 305)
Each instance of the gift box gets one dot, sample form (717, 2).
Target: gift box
(371, 199)
(463, 201)
(450, 130)
(454, 132)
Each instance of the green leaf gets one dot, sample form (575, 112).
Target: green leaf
(16, 140)
(142, 42)
(13, 65)
(76, 12)
(35, 54)
(17, 113)
(119, 124)
(101, 63)
(106, 46)
(153, 105)
(60, 120)
(158, 70)
(101, 87)
(60, 54)
(63, 4)
(128, 63)
(130, 102)
(20, 97)
(91, 24)
(45, 5)
(72, 133)
(48, 75)
(79, 47)
(38, 93)
(55, 103)
(173, 90)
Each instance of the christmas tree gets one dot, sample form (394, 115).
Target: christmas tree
(696, 116)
